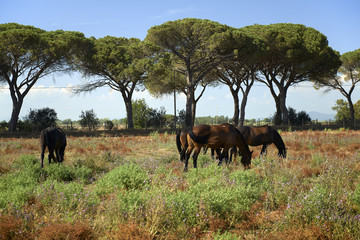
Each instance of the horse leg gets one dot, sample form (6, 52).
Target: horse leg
(187, 156)
(42, 155)
(263, 149)
(218, 152)
(233, 152)
(195, 156)
(182, 155)
(226, 155)
(205, 150)
(51, 156)
(222, 155)
(212, 153)
(57, 155)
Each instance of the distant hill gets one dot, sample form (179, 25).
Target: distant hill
(321, 116)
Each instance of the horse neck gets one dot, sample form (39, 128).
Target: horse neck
(279, 143)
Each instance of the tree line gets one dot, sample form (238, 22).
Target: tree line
(180, 56)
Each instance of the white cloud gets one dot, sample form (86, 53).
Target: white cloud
(50, 90)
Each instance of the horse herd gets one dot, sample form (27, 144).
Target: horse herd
(226, 137)
(220, 138)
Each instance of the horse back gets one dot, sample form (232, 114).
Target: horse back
(223, 135)
(52, 137)
(255, 136)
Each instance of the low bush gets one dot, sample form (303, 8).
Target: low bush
(63, 173)
(128, 177)
(65, 197)
(16, 187)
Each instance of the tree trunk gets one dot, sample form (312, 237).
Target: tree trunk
(129, 113)
(17, 100)
(242, 110)
(189, 106)
(193, 113)
(244, 101)
(352, 112)
(235, 118)
(284, 111)
(278, 113)
(17, 104)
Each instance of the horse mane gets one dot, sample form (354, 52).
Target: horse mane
(178, 142)
(198, 139)
(241, 135)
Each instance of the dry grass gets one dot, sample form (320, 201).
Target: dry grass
(67, 231)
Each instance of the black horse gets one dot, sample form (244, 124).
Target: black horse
(55, 140)
(262, 135)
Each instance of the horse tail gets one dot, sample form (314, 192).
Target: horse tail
(198, 139)
(43, 144)
(178, 142)
(44, 138)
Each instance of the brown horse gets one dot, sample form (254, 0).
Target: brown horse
(182, 144)
(216, 137)
(55, 140)
(263, 135)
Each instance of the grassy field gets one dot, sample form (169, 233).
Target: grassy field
(134, 187)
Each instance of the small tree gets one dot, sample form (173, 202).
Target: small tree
(157, 117)
(67, 122)
(141, 113)
(297, 119)
(88, 119)
(343, 111)
(348, 73)
(109, 125)
(39, 119)
(3, 125)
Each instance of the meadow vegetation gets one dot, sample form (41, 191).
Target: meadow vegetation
(134, 187)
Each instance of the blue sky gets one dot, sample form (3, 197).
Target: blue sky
(338, 20)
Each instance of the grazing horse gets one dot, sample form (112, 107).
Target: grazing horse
(54, 139)
(263, 135)
(216, 137)
(182, 144)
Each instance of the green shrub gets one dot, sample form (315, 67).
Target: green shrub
(17, 187)
(323, 206)
(355, 198)
(224, 193)
(63, 173)
(128, 176)
(65, 197)
(59, 172)
(83, 173)
(212, 171)
(183, 207)
(132, 201)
